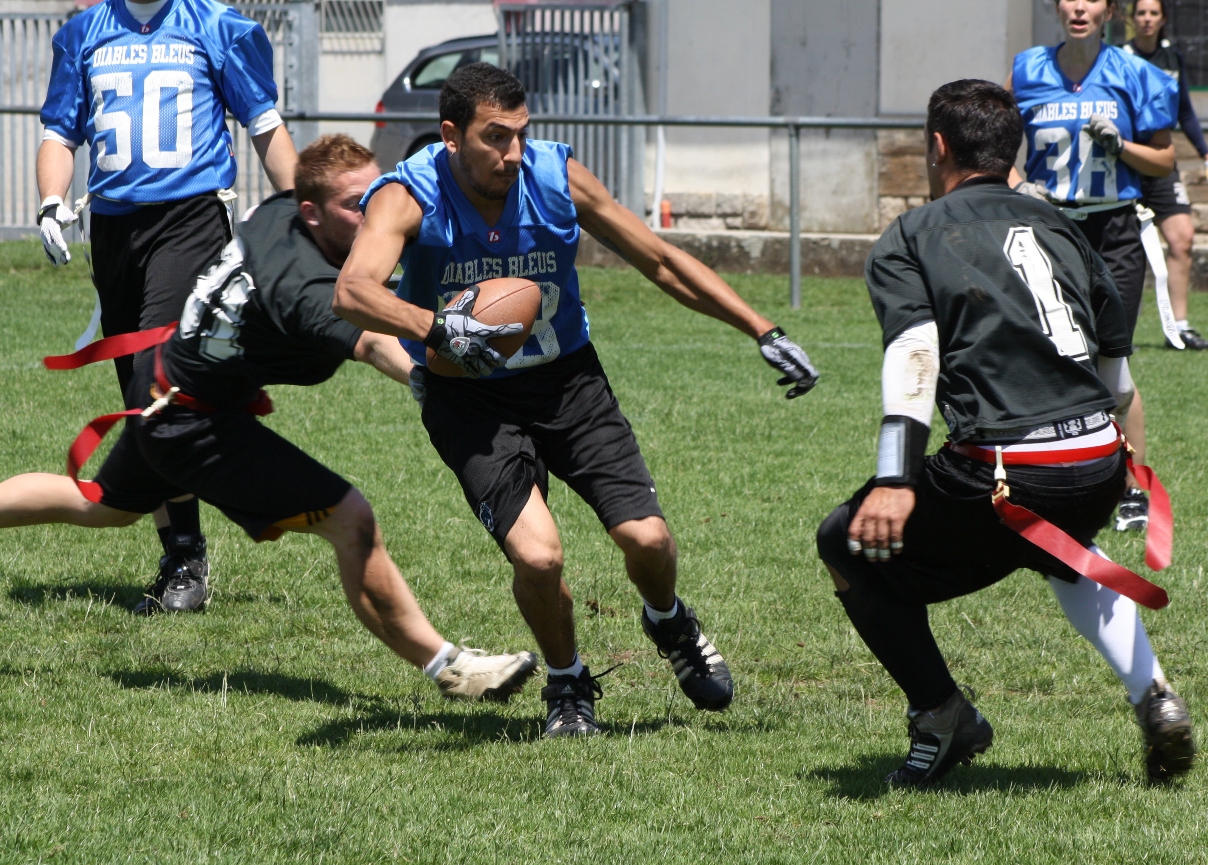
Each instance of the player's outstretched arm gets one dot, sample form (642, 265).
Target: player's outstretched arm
(386, 355)
(671, 269)
(361, 297)
(278, 156)
(684, 277)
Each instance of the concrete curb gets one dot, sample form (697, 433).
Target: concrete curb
(753, 251)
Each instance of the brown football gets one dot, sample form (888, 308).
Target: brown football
(500, 301)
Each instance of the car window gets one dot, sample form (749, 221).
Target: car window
(432, 74)
(489, 55)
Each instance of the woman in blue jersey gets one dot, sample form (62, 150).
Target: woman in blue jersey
(1095, 121)
(1166, 196)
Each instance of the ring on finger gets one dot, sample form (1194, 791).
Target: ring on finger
(853, 547)
(870, 553)
(883, 554)
(896, 545)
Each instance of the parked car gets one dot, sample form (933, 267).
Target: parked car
(573, 74)
(417, 88)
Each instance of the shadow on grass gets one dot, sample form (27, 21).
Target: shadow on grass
(476, 727)
(243, 682)
(865, 779)
(103, 593)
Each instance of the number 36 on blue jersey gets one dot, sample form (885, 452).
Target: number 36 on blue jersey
(151, 99)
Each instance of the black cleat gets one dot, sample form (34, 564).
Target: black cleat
(952, 734)
(183, 582)
(1191, 340)
(703, 675)
(1133, 514)
(1166, 730)
(571, 704)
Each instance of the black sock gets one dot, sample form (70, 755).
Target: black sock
(895, 629)
(165, 537)
(899, 635)
(185, 517)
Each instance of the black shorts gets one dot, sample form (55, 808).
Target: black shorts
(1165, 196)
(146, 263)
(1116, 235)
(502, 436)
(954, 542)
(261, 481)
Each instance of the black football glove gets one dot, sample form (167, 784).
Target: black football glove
(460, 338)
(786, 356)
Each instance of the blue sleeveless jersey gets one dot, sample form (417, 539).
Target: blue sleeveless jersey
(536, 238)
(1136, 96)
(151, 98)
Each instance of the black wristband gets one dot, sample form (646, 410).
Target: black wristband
(46, 211)
(436, 334)
(900, 451)
(771, 336)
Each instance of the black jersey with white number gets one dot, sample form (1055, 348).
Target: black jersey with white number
(1023, 306)
(262, 315)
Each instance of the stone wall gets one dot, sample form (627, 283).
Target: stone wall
(902, 174)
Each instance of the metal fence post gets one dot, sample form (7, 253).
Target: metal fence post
(302, 69)
(794, 216)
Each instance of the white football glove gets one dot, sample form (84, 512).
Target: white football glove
(53, 217)
(785, 356)
(1105, 134)
(1033, 190)
(460, 338)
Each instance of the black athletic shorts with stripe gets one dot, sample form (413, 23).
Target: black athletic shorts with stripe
(1116, 235)
(229, 459)
(146, 263)
(503, 436)
(1165, 196)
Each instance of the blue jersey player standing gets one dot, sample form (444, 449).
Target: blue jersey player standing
(147, 84)
(1095, 121)
(488, 203)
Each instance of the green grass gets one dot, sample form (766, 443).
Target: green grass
(276, 729)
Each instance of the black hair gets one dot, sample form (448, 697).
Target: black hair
(981, 123)
(475, 84)
(1132, 13)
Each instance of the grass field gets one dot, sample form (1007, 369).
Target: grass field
(276, 729)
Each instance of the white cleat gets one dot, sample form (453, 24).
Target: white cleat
(472, 674)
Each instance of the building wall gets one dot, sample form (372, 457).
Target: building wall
(718, 65)
(926, 45)
(824, 62)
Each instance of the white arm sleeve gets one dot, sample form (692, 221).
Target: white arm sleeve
(50, 135)
(1113, 372)
(910, 373)
(262, 123)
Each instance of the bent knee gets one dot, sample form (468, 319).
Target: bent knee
(646, 537)
(352, 522)
(538, 564)
(832, 536)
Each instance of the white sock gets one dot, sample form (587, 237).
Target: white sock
(441, 660)
(1182, 324)
(659, 615)
(1110, 622)
(575, 668)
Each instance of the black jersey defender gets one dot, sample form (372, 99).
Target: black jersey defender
(261, 316)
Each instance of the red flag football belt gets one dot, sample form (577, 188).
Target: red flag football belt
(122, 344)
(1159, 534)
